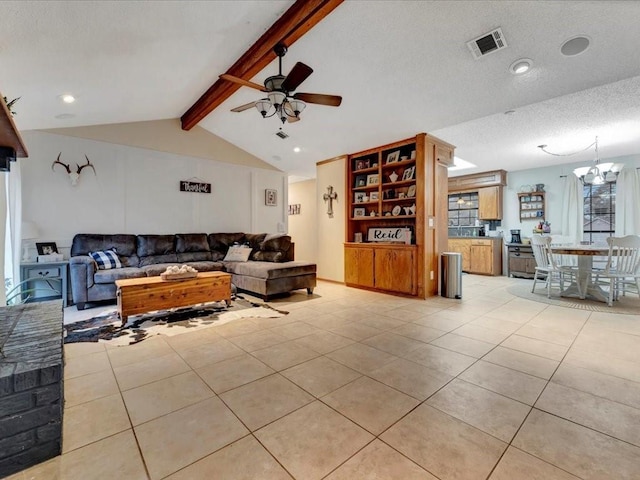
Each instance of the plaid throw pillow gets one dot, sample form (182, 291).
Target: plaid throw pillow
(106, 260)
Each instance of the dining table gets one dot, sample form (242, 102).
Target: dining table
(583, 286)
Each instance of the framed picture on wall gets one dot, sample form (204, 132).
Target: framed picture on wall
(271, 197)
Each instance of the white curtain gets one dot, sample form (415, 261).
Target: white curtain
(628, 202)
(3, 232)
(572, 224)
(14, 195)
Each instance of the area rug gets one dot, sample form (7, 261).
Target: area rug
(108, 328)
(625, 305)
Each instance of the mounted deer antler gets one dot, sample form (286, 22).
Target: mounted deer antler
(74, 176)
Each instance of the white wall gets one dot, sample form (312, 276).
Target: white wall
(303, 228)
(136, 190)
(553, 185)
(331, 231)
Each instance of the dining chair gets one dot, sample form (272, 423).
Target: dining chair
(623, 265)
(546, 264)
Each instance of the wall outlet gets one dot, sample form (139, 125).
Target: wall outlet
(281, 227)
(431, 275)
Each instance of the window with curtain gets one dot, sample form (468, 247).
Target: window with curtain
(599, 212)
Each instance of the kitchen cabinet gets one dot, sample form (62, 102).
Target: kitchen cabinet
(463, 247)
(479, 255)
(393, 269)
(358, 266)
(382, 267)
(490, 203)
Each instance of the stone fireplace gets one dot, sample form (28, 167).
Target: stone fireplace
(31, 389)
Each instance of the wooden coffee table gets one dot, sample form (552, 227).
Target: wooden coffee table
(148, 294)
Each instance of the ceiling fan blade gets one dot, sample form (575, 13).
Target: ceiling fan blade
(246, 83)
(244, 107)
(297, 75)
(319, 98)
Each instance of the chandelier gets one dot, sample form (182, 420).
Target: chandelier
(594, 176)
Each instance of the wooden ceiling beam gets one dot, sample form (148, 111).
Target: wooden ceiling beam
(294, 23)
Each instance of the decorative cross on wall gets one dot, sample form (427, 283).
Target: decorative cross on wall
(330, 196)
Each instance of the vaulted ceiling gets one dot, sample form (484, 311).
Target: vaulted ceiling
(402, 67)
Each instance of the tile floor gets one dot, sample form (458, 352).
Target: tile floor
(356, 385)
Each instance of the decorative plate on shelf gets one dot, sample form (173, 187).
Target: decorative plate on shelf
(412, 191)
(526, 189)
(396, 210)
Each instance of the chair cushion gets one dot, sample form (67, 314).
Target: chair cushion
(106, 260)
(123, 244)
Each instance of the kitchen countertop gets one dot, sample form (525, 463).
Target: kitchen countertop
(471, 237)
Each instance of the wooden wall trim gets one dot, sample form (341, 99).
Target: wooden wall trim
(294, 23)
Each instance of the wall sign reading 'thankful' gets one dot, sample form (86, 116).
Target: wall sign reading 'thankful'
(196, 187)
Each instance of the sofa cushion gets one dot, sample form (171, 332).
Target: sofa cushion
(276, 243)
(191, 242)
(238, 253)
(270, 270)
(110, 276)
(273, 248)
(106, 260)
(206, 266)
(124, 245)
(192, 247)
(153, 249)
(156, 269)
(261, 256)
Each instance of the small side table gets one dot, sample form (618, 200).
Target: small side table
(54, 274)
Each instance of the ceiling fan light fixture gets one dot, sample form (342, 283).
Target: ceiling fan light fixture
(297, 106)
(277, 98)
(263, 106)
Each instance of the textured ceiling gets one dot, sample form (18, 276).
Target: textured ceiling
(401, 67)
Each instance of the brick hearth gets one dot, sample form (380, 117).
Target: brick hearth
(31, 390)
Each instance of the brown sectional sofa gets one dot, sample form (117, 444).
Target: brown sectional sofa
(269, 271)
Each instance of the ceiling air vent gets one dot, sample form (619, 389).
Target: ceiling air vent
(281, 134)
(487, 43)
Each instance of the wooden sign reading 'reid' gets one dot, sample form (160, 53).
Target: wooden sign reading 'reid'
(196, 187)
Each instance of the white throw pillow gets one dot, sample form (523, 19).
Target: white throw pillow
(238, 253)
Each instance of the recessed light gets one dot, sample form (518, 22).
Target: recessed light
(297, 149)
(575, 46)
(64, 116)
(67, 98)
(520, 66)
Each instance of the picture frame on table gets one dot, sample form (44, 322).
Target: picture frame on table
(374, 197)
(408, 173)
(359, 212)
(47, 248)
(373, 179)
(358, 197)
(362, 164)
(393, 157)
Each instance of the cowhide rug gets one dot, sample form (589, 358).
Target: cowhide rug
(108, 328)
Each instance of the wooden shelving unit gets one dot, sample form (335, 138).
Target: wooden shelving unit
(396, 186)
(532, 206)
(9, 135)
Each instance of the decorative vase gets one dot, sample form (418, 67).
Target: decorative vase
(393, 177)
